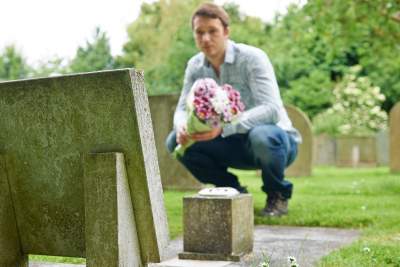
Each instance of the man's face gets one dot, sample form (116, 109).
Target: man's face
(210, 36)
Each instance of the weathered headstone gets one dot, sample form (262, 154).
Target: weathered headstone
(173, 174)
(324, 150)
(79, 174)
(302, 166)
(217, 228)
(395, 138)
(382, 147)
(354, 151)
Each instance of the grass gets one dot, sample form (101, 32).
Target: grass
(365, 199)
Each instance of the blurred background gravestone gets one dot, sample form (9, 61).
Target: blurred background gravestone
(382, 147)
(394, 125)
(64, 189)
(324, 150)
(355, 151)
(302, 166)
(173, 174)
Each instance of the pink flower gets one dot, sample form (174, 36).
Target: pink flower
(215, 105)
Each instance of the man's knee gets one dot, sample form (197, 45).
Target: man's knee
(266, 137)
(170, 142)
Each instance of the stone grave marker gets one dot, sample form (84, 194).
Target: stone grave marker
(302, 166)
(355, 151)
(382, 147)
(217, 225)
(394, 125)
(324, 150)
(173, 174)
(78, 171)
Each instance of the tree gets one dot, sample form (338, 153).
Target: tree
(12, 64)
(94, 56)
(46, 68)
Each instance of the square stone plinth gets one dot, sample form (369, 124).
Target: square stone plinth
(217, 228)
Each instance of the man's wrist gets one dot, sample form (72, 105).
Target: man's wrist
(228, 130)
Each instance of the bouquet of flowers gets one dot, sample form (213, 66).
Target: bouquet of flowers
(209, 106)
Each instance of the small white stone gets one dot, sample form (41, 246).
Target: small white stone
(218, 192)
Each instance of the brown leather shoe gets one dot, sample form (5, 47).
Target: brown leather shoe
(275, 206)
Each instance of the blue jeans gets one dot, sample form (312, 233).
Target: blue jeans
(265, 147)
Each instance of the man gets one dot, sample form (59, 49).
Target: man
(262, 138)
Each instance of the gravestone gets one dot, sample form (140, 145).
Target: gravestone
(356, 151)
(382, 147)
(324, 150)
(394, 125)
(173, 174)
(302, 166)
(78, 171)
(217, 226)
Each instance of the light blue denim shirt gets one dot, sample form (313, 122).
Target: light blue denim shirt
(249, 71)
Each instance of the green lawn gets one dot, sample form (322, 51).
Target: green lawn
(366, 199)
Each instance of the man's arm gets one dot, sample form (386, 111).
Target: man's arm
(265, 93)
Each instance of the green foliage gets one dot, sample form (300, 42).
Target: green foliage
(356, 108)
(330, 36)
(160, 42)
(312, 92)
(46, 68)
(13, 65)
(94, 56)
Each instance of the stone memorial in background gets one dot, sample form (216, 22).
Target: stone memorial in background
(394, 126)
(78, 171)
(355, 151)
(302, 166)
(324, 150)
(173, 174)
(382, 147)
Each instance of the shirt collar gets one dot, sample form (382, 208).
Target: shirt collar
(229, 54)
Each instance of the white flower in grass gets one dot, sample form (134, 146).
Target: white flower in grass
(292, 262)
(263, 264)
(366, 250)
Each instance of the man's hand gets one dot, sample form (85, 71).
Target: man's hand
(205, 136)
(182, 137)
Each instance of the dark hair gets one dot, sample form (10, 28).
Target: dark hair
(213, 11)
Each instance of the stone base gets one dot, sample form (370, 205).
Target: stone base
(217, 228)
(209, 256)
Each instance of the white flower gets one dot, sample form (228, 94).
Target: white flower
(381, 97)
(375, 110)
(366, 250)
(345, 129)
(220, 101)
(264, 264)
(292, 261)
